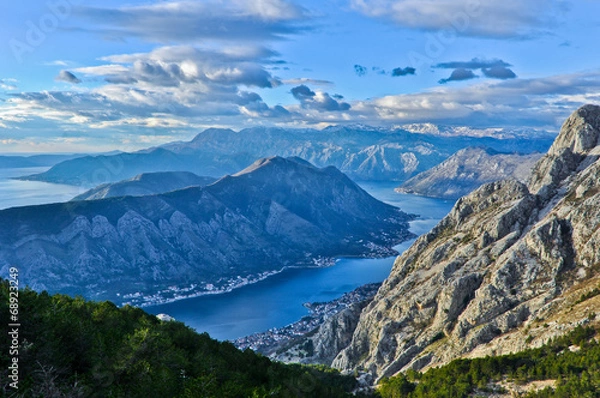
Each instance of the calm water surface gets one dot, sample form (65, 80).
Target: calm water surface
(277, 301)
(24, 193)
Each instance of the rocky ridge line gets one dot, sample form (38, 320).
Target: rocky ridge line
(506, 269)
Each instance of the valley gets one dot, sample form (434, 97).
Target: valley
(300, 199)
(278, 300)
(479, 280)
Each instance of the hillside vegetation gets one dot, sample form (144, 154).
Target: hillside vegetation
(70, 347)
(570, 364)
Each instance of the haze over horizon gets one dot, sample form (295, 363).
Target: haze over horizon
(106, 75)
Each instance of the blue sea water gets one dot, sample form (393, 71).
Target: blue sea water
(277, 301)
(24, 193)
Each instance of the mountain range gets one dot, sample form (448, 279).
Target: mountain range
(276, 213)
(467, 170)
(363, 153)
(513, 265)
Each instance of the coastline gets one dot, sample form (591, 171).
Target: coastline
(174, 293)
(274, 341)
(231, 284)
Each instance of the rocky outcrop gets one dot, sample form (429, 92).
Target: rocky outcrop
(147, 184)
(467, 170)
(276, 213)
(508, 267)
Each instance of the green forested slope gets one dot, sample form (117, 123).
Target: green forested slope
(571, 361)
(70, 347)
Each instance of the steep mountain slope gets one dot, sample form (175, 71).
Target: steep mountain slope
(510, 266)
(467, 170)
(276, 213)
(364, 153)
(147, 184)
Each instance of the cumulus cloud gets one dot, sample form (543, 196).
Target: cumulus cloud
(68, 77)
(302, 93)
(495, 69)
(170, 87)
(403, 71)
(484, 18)
(499, 72)
(363, 70)
(319, 100)
(475, 63)
(360, 70)
(8, 84)
(459, 75)
(540, 102)
(194, 21)
(177, 65)
(259, 109)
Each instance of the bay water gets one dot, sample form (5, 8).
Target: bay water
(15, 193)
(277, 301)
(274, 302)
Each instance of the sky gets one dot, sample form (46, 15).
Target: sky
(88, 76)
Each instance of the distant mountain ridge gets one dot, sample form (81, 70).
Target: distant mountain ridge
(147, 184)
(276, 213)
(467, 170)
(42, 160)
(454, 131)
(511, 266)
(363, 153)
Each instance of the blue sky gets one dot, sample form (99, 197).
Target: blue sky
(103, 75)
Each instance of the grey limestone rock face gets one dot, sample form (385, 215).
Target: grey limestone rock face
(467, 170)
(508, 258)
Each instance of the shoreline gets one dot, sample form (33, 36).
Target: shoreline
(270, 342)
(229, 285)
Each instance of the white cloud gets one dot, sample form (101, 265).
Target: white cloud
(58, 62)
(484, 18)
(8, 84)
(307, 80)
(67, 77)
(174, 87)
(177, 65)
(539, 102)
(271, 9)
(195, 21)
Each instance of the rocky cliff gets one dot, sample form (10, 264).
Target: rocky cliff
(276, 213)
(467, 170)
(511, 265)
